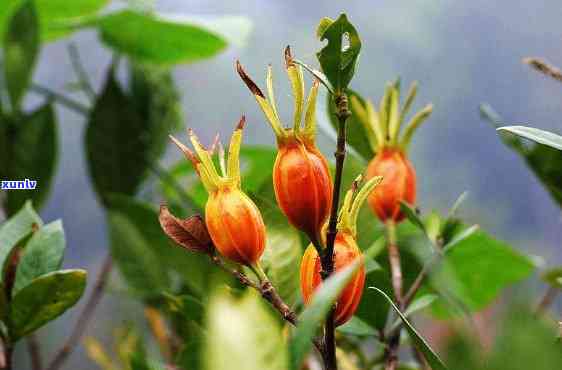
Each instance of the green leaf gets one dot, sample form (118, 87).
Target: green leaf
(553, 276)
(3, 304)
(339, 57)
(154, 39)
(477, 270)
(412, 216)
(357, 327)
(536, 135)
(373, 309)
(144, 254)
(280, 260)
(117, 142)
(42, 254)
(544, 161)
(356, 135)
(54, 15)
(417, 305)
(14, 230)
(7, 10)
(37, 130)
(316, 312)
(45, 299)
(420, 343)
(243, 335)
(21, 44)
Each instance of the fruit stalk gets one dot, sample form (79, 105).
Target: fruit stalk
(391, 353)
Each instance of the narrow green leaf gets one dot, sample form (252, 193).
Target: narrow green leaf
(45, 299)
(150, 38)
(417, 305)
(540, 136)
(339, 57)
(37, 130)
(14, 230)
(315, 313)
(42, 254)
(243, 335)
(21, 45)
(420, 343)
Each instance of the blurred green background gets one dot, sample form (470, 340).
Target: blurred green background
(462, 53)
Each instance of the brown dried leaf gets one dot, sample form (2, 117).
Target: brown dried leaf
(190, 233)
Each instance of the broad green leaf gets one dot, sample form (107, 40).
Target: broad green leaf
(45, 299)
(37, 130)
(339, 57)
(55, 14)
(154, 39)
(477, 270)
(544, 161)
(356, 136)
(145, 255)
(420, 343)
(21, 45)
(553, 276)
(281, 260)
(357, 327)
(243, 335)
(316, 312)
(42, 254)
(539, 136)
(14, 230)
(117, 142)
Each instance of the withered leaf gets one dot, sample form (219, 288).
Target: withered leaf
(190, 233)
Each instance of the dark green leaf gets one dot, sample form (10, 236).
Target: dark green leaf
(243, 335)
(339, 57)
(7, 10)
(117, 142)
(3, 304)
(356, 136)
(21, 44)
(544, 161)
(38, 131)
(14, 230)
(45, 299)
(315, 313)
(420, 343)
(154, 39)
(537, 135)
(42, 254)
(412, 215)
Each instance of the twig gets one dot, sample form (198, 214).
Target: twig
(81, 74)
(342, 113)
(545, 68)
(61, 99)
(547, 299)
(391, 353)
(85, 316)
(416, 285)
(34, 350)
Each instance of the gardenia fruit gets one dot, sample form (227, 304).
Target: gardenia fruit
(346, 252)
(391, 161)
(301, 178)
(233, 220)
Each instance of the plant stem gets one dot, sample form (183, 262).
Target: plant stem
(80, 72)
(547, 299)
(85, 316)
(61, 99)
(34, 350)
(391, 353)
(342, 112)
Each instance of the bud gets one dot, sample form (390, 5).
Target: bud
(346, 252)
(233, 221)
(391, 161)
(301, 177)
